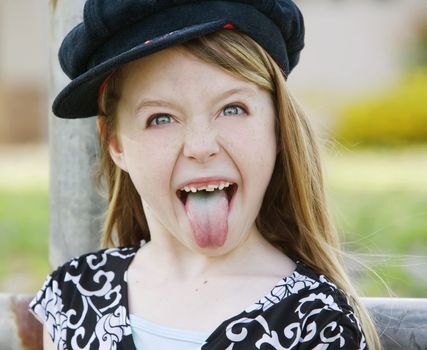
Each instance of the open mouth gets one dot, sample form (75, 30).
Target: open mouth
(230, 191)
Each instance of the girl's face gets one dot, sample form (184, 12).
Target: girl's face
(186, 123)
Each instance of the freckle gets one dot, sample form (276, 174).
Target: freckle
(196, 290)
(205, 282)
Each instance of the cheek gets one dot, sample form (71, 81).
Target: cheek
(253, 142)
(150, 162)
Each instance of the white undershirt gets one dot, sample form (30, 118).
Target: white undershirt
(151, 336)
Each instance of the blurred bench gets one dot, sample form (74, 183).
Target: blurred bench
(401, 323)
(18, 328)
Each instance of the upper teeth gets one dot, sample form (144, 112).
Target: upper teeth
(208, 188)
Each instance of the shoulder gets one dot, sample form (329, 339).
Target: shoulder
(88, 269)
(97, 260)
(86, 272)
(305, 311)
(82, 291)
(324, 314)
(94, 263)
(304, 286)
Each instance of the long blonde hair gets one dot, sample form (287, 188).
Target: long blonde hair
(293, 216)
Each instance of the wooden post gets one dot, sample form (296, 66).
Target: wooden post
(76, 209)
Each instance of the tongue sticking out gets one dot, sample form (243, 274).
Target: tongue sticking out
(208, 214)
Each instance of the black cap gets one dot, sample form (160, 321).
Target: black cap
(116, 32)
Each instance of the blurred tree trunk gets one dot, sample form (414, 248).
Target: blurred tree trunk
(75, 207)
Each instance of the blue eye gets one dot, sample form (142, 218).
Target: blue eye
(233, 110)
(159, 119)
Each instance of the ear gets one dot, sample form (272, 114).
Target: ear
(101, 126)
(114, 145)
(116, 152)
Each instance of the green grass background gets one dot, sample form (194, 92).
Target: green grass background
(378, 199)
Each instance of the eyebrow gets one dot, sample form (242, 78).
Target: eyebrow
(147, 102)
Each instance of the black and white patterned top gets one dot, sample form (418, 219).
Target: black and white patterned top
(84, 306)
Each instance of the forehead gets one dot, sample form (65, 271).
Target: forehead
(176, 71)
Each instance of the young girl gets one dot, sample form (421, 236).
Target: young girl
(217, 230)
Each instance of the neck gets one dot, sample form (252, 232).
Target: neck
(172, 258)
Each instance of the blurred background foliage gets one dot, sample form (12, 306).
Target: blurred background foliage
(23, 233)
(24, 217)
(380, 208)
(394, 118)
(365, 89)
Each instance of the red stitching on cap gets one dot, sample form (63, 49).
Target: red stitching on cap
(104, 83)
(228, 26)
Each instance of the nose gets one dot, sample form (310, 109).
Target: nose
(200, 143)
